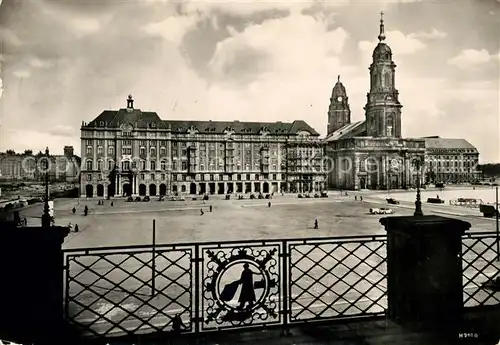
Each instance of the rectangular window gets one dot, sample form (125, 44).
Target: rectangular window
(89, 177)
(248, 177)
(99, 150)
(163, 177)
(152, 176)
(174, 177)
(89, 150)
(184, 165)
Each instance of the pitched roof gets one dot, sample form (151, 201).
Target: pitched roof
(447, 143)
(141, 119)
(136, 117)
(348, 131)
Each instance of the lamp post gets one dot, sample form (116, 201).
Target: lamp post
(46, 208)
(418, 204)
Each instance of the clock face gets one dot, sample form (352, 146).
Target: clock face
(339, 99)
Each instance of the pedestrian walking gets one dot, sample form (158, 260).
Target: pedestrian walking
(112, 203)
(269, 204)
(316, 224)
(76, 228)
(73, 210)
(355, 197)
(86, 210)
(201, 212)
(210, 208)
(361, 197)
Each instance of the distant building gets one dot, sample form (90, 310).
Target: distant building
(451, 160)
(18, 167)
(160, 157)
(372, 154)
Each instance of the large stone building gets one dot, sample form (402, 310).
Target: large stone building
(134, 152)
(451, 160)
(372, 154)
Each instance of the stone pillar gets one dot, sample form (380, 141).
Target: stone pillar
(133, 186)
(424, 269)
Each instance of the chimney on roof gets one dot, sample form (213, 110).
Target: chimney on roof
(130, 103)
(69, 151)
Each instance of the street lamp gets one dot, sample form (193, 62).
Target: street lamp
(417, 162)
(46, 207)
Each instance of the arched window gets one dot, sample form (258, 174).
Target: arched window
(111, 164)
(153, 151)
(390, 125)
(111, 150)
(163, 165)
(99, 165)
(143, 165)
(153, 165)
(89, 164)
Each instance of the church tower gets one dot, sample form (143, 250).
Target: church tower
(339, 113)
(383, 110)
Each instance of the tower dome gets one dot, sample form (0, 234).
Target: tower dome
(382, 51)
(338, 89)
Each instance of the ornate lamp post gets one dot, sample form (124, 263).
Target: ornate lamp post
(417, 162)
(46, 207)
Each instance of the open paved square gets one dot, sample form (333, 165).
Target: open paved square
(131, 223)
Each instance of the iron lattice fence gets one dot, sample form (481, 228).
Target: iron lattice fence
(212, 286)
(204, 287)
(480, 264)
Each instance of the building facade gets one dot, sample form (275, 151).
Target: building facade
(372, 154)
(451, 161)
(29, 167)
(130, 152)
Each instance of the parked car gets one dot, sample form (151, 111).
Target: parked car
(146, 198)
(130, 199)
(138, 198)
(268, 196)
(316, 195)
(161, 198)
(392, 201)
(300, 196)
(382, 210)
(228, 196)
(252, 196)
(324, 194)
(307, 195)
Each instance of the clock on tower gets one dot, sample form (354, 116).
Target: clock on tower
(339, 99)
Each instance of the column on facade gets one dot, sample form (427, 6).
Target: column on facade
(384, 171)
(133, 186)
(407, 172)
(117, 185)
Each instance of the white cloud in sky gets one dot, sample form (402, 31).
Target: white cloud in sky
(36, 62)
(468, 58)
(22, 74)
(433, 34)
(173, 28)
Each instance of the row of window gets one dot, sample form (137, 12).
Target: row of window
(212, 177)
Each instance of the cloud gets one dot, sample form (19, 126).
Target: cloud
(433, 34)
(63, 131)
(39, 63)
(22, 74)
(173, 28)
(471, 57)
(306, 47)
(84, 26)
(8, 36)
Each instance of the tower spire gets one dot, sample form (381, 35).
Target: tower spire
(338, 78)
(381, 36)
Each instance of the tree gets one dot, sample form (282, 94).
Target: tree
(490, 169)
(10, 152)
(28, 152)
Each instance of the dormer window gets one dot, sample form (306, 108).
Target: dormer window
(101, 124)
(153, 125)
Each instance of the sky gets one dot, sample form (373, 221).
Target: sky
(64, 62)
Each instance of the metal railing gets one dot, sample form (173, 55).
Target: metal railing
(480, 265)
(203, 287)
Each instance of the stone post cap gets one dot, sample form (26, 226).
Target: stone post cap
(425, 223)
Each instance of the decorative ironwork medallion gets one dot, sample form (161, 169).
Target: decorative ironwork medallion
(241, 286)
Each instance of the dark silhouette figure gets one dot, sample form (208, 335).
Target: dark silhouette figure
(76, 228)
(316, 224)
(210, 208)
(355, 197)
(73, 210)
(112, 204)
(247, 294)
(269, 204)
(361, 197)
(437, 196)
(177, 324)
(201, 212)
(86, 210)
